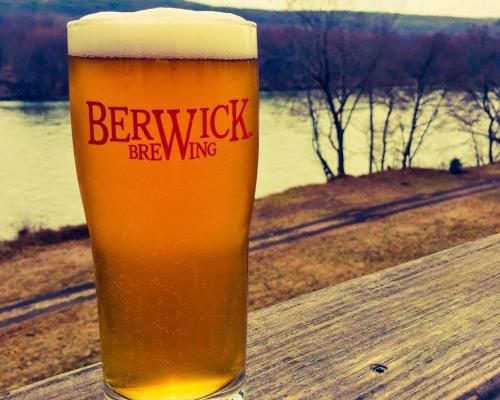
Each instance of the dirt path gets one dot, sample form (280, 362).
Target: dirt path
(360, 215)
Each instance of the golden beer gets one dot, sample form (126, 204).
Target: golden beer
(166, 155)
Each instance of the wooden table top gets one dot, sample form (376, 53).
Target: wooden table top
(427, 329)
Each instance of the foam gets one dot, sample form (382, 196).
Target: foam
(163, 33)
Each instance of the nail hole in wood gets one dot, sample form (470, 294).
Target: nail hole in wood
(379, 368)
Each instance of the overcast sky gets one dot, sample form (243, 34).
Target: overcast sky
(456, 8)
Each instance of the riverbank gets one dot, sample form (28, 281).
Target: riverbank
(302, 240)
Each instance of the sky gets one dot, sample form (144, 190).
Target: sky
(455, 8)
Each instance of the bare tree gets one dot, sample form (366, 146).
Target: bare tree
(481, 83)
(469, 120)
(379, 86)
(424, 92)
(383, 100)
(278, 67)
(328, 60)
(390, 102)
(371, 106)
(316, 140)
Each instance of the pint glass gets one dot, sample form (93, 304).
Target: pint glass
(164, 113)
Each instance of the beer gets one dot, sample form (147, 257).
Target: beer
(164, 112)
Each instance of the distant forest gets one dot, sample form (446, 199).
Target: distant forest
(33, 63)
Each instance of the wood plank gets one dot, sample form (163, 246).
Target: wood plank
(432, 323)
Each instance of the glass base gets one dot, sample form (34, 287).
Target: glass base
(235, 390)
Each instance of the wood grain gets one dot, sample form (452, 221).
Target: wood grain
(432, 326)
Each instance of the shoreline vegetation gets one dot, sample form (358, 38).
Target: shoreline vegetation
(33, 237)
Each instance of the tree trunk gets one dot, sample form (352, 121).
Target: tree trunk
(326, 168)
(315, 142)
(407, 150)
(338, 128)
(476, 150)
(404, 164)
(340, 153)
(384, 150)
(386, 131)
(413, 127)
(491, 140)
(371, 159)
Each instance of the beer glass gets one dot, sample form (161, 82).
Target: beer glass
(164, 113)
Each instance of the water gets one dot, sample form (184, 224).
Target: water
(38, 183)
(38, 180)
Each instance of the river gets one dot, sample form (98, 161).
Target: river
(38, 179)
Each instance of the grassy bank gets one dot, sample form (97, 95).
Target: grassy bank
(28, 237)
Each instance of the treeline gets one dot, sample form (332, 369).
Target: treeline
(331, 71)
(33, 60)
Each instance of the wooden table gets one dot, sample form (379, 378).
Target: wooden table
(427, 329)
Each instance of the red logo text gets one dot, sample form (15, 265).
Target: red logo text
(159, 134)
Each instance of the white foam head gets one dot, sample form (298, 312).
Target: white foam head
(163, 33)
